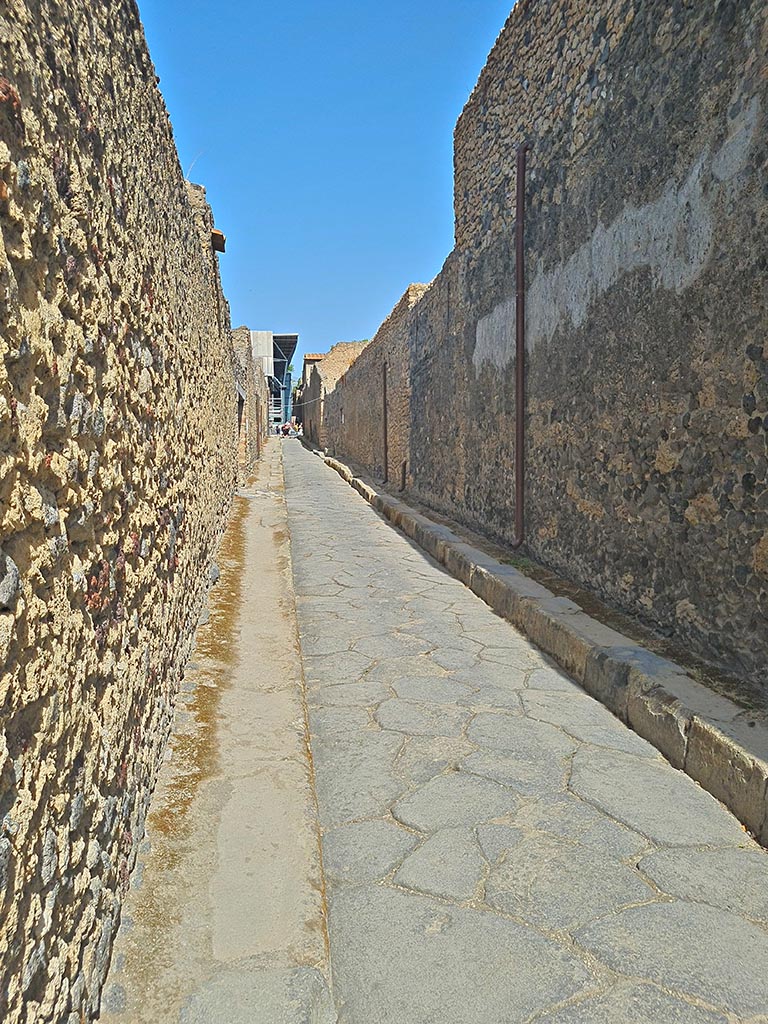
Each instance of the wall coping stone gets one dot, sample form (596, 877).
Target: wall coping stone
(717, 743)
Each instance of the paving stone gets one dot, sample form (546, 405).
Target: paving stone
(687, 948)
(354, 776)
(410, 959)
(365, 851)
(497, 839)
(430, 688)
(448, 864)
(398, 668)
(454, 799)
(552, 679)
(514, 659)
(566, 816)
(526, 777)
(525, 738)
(388, 646)
(632, 1004)
(735, 879)
(452, 659)
(653, 798)
(366, 693)
(558, 883)
(488, 673)
(494, 697)
(421, 719)
(340, 668)
(325, 644)
(586, 719)
(423, 757)
(327, 721)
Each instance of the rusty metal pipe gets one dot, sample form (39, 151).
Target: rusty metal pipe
(520, 348)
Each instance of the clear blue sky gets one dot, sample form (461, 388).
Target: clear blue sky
(323, 134)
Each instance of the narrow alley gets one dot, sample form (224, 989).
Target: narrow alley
(468, 837)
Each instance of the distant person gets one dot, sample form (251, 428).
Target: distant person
(286, 429)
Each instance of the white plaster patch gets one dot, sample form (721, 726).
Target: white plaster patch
(672, 236)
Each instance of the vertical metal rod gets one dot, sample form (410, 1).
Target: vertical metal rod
(384, 415)
(520, 349)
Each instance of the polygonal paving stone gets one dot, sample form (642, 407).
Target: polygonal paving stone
(522, 737)
(564, 815)
(431, 688)
(653, 798)
(688, 948)
(735, 879)
(449, 864)
(586, 719)
(495, 697)
(335, 668)
(450, 658)
(497, 839)
(421, 719)
(553, 680)
(366, 693)
(557, 883)
(488, 673)
(454, 799)
(527, 777)
(516, 659)
(329, 721)
(324, 644)
(632, 1004)
(354, 776)
(423, 757)
(364, 851)
(399, 957)
(390, 646)
(397, 668)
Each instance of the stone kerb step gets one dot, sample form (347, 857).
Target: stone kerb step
(713, 740)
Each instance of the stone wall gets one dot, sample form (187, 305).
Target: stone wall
(323, 378)
(647, 375)
(362, 424)
(253, 404)
(117, 462)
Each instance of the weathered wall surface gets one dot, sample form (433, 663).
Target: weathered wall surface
(117, 440)
(647, 373)
(323, 378)
(254, 412)
(362, 424)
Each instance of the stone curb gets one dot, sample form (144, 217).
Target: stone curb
(710, 738)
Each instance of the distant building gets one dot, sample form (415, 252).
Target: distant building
(274, 353)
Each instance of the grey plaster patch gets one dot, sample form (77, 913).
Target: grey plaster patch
(527, 777)
(430, 688)
(735, 879)
(421, 719)
(449, 864)
(558, 883)
(364, 851)
(688, 948)
(522, 737)
(632, 1004)
(670, 236)
(254, 995)
(653, 798)
(409, 959)
(454, 799)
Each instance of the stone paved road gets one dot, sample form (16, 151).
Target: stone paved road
(497, 847)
